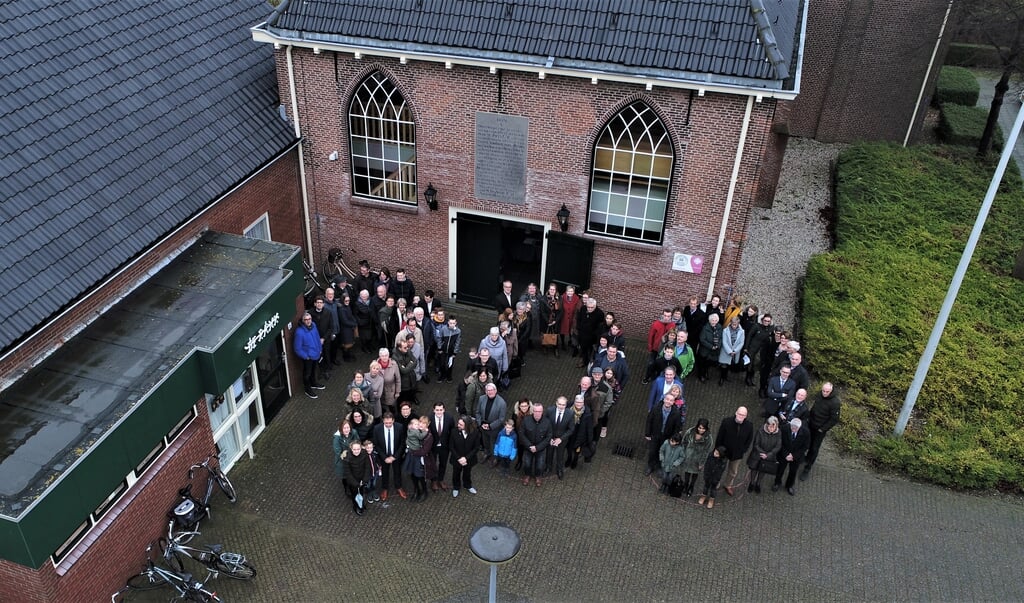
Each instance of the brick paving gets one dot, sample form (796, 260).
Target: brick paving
(604, 533)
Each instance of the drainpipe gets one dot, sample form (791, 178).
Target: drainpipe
(302, 162)
(928, 73)
(731, 195)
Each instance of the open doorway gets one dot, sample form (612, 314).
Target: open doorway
(489, 250)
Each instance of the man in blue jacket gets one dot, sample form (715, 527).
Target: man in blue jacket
(308, 348)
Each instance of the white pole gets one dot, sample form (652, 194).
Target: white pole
(958, 278)
(927, 73)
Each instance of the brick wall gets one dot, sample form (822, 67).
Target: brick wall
(565, 118)
(863, 66)
(274, 191)
(115, 548)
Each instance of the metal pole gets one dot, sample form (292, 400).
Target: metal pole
(492, 592)
(958, 277)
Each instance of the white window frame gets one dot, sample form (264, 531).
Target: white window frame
(236, 413)
(382, 132)
(263, 224)
(623, 197)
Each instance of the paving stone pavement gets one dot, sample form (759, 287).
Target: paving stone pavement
(604, 533)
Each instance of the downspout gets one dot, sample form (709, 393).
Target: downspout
(928, 73)
(731, 195)
(302, 162)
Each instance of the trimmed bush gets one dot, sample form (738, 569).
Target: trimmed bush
(903, 217)
(974, 55)
(960, 125)
(956, 85)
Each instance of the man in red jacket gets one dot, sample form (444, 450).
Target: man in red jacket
(654, 336)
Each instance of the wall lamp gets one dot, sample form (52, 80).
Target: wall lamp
(563, 218)
(430, 195)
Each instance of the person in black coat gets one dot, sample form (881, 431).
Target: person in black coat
(735, 433)
(534, 437)
(824, 415)
(589, 325)
(441, 425)
(504, 300)
(389, 442)
(464, 444)
(795, 442)
(663, 421)
(357, 473)
(781, 391)
(563, 424)
(580, 444)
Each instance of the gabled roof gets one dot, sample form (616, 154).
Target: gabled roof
(119, 121)
(743, 42)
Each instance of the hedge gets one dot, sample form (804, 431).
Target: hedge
(903, 216)
(960, 125)
(974, 55)
(956, 85)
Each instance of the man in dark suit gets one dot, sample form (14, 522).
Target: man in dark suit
(534, 437)
(794, 447)
(441, 424)
(503, 301)
(781, 390)
(389, 441)
(663, 421)
(798, 372)
(795, 409)
(563, 425)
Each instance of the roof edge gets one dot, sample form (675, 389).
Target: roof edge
(542, 66)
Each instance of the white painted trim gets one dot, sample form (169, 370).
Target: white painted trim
(927, 73)
(265, 219)
(453, 242)
(729, 197)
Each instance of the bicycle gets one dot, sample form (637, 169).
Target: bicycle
(313, 286)
(191, 510)
(154, 576)
(216, 560)
(335, 265)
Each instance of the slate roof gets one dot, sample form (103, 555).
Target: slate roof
(689, 37)
(119, 121)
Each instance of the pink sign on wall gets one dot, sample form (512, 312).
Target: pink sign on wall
(685, 262)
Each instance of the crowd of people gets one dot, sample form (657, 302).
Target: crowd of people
(382, 441)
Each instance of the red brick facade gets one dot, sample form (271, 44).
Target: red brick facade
(566, 116)
(863, 67)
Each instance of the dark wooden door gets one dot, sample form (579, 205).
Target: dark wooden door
(570, 260)
(478, 250)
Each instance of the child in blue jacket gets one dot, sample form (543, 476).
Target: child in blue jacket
(505, 446)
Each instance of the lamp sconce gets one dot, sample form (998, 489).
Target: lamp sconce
(563, 218)
(430, 195)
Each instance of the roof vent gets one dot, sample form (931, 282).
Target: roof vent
(613, 20)
(510, 7)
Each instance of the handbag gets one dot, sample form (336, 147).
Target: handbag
(549, 339)
(769, 467)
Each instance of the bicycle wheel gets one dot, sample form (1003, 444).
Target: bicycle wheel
(234, 566)
(147, 580)
(225, 485)
(174, 559)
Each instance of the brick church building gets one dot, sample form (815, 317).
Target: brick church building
(649, 122)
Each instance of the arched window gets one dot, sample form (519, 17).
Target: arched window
(382, 142)
(632, 171)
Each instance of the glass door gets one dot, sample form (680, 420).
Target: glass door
(236, 418)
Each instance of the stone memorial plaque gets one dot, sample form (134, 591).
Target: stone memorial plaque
(500, 162)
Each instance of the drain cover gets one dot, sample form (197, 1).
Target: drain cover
(623, 450)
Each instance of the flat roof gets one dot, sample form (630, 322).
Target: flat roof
(58, 411)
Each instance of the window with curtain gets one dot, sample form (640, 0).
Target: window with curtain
(629, 185)
(382, 142)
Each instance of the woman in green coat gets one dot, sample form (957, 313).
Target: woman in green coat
(342, 438)
(698, 442)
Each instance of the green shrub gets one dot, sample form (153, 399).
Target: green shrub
(956, 85)
(903, 217)
(974, 55)
(963, 126)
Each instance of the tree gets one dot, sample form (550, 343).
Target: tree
(1000, 24)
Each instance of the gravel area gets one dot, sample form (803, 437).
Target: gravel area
(781, 240)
